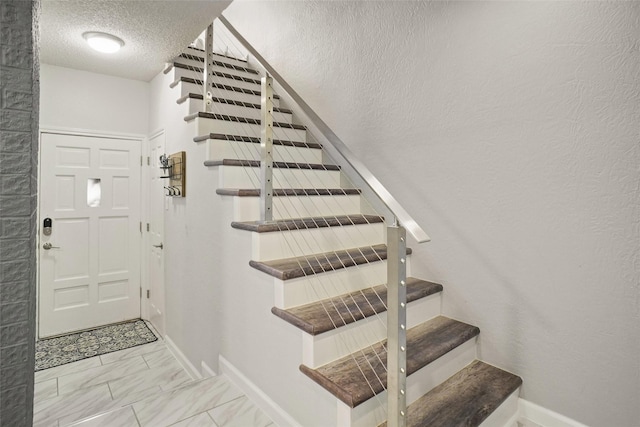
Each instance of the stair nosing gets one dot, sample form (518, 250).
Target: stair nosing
(238, 119)
(215, 73)
(276, 165)
(218, 86)
(312, 264)
(307, 223)
(416, 289)
(416, 359)
(218, 54)
(292, 192)
(219, 63)
(231, 102)
(254, 140)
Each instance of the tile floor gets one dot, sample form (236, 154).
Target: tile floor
(138, 387)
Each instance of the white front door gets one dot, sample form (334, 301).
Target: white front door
(155, 241)
(90, 262)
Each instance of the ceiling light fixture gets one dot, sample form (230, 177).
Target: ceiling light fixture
(103, 42)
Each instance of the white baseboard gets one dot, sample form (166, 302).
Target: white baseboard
(532, 415)
(182, 359)
(206, 371)
(278, 415)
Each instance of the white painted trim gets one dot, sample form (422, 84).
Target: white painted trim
(207, 372)
(182, 359)
(539, 415)
(92, 133)
(278, 415)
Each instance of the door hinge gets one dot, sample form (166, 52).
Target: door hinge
(140, 160)
(148, 161)
(141, 226)
(140, 292)
(148, 294)
(147, 226)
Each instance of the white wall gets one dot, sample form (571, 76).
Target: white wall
(510, 131)
(83, 100)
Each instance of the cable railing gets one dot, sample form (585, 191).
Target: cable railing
(281, 161)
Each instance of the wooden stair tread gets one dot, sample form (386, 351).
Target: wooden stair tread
(331, 313)
(291, 268)
(215, 73)
(219, 63)
(276, 165)
(199, 96)
(254, 140)
(425, 343)
(218, 86)
(216, 54)
(465, 399)
(287, 192)
(238, 119)
(307, 223)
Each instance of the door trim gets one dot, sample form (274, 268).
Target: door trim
(145, 282)
(73, 132)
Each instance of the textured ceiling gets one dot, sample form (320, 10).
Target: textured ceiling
(153, 31)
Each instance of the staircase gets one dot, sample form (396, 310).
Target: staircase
(324, 257)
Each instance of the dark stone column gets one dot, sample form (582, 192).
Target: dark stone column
(19, 99)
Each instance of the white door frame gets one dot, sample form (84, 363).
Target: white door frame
(73, 132)
(146, 219)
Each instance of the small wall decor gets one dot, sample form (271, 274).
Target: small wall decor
(175, 167)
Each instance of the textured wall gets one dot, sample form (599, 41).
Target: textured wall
(18, 186)
(510, 131)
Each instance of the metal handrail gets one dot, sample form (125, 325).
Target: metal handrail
(401, 215)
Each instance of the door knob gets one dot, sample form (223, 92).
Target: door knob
(47, 246)
(158, 246)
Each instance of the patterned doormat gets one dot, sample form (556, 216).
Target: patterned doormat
(51, 352)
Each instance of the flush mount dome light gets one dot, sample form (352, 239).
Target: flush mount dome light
(103, 42)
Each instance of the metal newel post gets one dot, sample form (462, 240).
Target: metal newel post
(396, 325)
(266, 149)
(208, 70)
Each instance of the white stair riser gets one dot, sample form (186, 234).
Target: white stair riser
(249, 177)
(187, 88)
(321, 349)
(181, 72)
(206, 126)
(248, 208)
(221, 149)
(288, 244)
(221, 68)
(305, 290)
(504, 414)
(196, 105)
(370, 413)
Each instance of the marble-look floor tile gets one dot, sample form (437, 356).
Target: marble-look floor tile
(200, 420)
(100, 374)
(132, 352)
(45, 389)
(171, 375)
(239, 413)
(67, 369)
(159, 358)
(185, 402)
(123, 417)
(45, 423)
(80, 404)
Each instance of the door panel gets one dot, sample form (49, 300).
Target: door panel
(90, 188)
